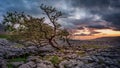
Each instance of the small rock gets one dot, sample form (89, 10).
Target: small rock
(3, 63)
(30, 64)
(34, 58)
(16, 64)
(71, 64)
(45, 64)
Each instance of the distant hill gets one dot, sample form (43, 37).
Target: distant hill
(2, 29)
(113, 41)
(107, 39)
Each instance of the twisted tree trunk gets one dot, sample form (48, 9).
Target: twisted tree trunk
(51, 42)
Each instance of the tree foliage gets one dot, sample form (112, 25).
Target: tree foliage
(22, 27)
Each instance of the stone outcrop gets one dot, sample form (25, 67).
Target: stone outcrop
(3, 63)
(106, 58)
(109, 58)
(36, 62)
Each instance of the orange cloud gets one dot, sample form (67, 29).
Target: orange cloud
(101, 33)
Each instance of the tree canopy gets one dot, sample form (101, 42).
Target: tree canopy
(22, 27)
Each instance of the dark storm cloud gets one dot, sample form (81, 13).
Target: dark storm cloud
(109, 10)
(98, 27)
(90, 3)
(80, 28)
(114, 19)
(81, 34)
(92, 13)
(92, 33)
(96, 4)
(28, 6)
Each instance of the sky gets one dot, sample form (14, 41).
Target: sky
(85, 19)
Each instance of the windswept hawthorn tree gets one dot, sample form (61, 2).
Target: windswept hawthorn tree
(22, 27)
(65, 35)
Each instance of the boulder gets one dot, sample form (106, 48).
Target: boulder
(16, 64)
(24, 66)
(34, 58)
(3, 63)
(45, 64)
(30, 64)
(71, 64)
(36, 62)
(87, 59)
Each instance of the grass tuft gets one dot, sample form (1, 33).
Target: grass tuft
(17, 59)
(95, 46)
(3, 36)
(9, 65)
(55, 60)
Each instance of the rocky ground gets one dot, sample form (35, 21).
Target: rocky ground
(69, 57)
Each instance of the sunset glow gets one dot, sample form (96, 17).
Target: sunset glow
(78, 35)
(83, 19)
